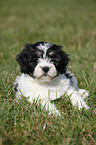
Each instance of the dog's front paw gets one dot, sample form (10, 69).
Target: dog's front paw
(83, 104)
(80, 103)
(55, 113)
(83, 93)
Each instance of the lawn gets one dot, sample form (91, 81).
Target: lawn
(70, 23)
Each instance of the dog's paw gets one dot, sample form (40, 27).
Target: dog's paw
(83, 105)
(80, 103)
(83, 93)
(55, 113)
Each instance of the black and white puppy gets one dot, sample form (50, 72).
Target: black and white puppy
(45, 77)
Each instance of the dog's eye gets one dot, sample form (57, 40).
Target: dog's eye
(52, 54)
(56, 58)
(38, 53)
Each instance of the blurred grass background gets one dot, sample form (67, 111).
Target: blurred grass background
(70, 23)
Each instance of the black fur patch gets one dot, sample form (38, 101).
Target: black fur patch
(28, 58)
(59, 58)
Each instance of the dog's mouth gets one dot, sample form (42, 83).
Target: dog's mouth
(45, 76)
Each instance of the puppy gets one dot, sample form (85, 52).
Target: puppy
(45, 77)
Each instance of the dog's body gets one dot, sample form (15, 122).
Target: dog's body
(45, 77)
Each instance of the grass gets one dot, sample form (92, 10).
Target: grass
(68, 23)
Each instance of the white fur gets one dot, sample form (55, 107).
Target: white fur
(39, 73)
(60, 85)
(44, 47)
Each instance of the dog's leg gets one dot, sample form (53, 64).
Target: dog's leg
(50, 108)
(83, 93)
(45, 104)
(76, 99)
(74, 82)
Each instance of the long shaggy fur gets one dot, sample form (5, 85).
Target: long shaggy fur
(45, 76)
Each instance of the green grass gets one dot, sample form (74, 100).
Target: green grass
(71, 24)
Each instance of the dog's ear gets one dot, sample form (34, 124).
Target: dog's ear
(62, 57)
(64, 61)
(23, 58)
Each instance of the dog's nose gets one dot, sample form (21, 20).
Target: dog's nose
(45, 69)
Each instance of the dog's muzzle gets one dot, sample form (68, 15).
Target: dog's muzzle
(45, 71)
(45, 74)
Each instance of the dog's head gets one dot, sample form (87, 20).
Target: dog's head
(43, 61)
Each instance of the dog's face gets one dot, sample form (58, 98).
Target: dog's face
(43, 61)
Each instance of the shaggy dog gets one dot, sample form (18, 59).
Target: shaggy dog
(45, 77)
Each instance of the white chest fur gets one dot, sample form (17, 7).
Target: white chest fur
(34, 89)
